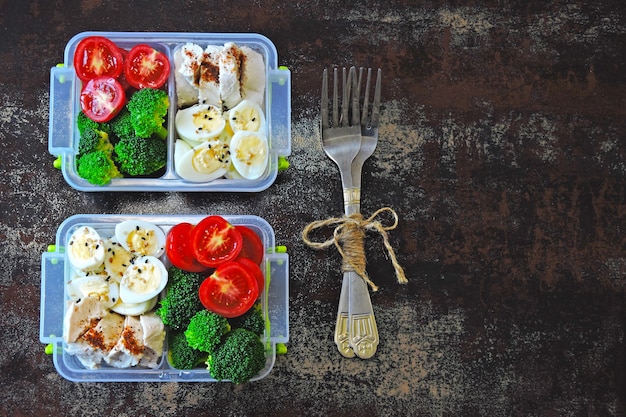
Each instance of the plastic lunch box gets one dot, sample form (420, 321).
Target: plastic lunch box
(65, 104)
(55, 272)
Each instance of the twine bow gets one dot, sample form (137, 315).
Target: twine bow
(349, 239)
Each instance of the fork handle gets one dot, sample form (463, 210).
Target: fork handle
(352, 200)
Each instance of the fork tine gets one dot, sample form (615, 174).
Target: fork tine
(376, 104)
(335, 98)
(345, 98)
(325, 100)
(366, 99)
(355, 97)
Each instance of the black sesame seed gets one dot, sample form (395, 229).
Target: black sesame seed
(139, 270)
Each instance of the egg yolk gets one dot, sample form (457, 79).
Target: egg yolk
(207, 120)
(142, 279)
(208, 160)
(246, 119)
(250, 148)
(142, 241)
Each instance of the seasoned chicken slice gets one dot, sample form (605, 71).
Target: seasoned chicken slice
(95, 343)
(81, 316)
(153, 332)
(209, 80)
(252, 75)
(230, 87)
(129, 348)
(153, 338)
(186, 93)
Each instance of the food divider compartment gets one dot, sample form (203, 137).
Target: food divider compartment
(65, 89)
(55, 273)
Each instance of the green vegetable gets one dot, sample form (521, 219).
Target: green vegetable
(94, 140)
(84, 124)
(205, 330)
(180, 354)
(240, 357)
(251, 320)
(181, 301)
(121, 125)
(148, 108)
(140, 156)
(97, 167)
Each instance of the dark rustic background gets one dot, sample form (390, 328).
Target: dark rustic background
(501, 148)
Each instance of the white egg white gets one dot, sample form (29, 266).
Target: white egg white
(199, 122)
(143, 280)
(96, 286)
(248, 116)
(85, 249)
(205, 162)
(134, 309)
(250, 154)
(140, 237)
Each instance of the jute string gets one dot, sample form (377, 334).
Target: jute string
(349, 239)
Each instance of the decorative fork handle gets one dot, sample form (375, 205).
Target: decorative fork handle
(355, 330)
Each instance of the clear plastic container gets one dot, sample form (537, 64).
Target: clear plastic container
(55, 273)
(65, 104)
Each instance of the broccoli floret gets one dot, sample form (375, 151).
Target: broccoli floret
(97, 167)
(252, 320)
(94, 140)
(181, 301)
(182, 356)
(137, 156)
(121, 125)
(240, 357)
(148, 108)
(84, 123)
(205, 330)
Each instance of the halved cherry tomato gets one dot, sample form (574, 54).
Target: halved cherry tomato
(102, 98)
(252, 245)
(178, 248)
(97, 56)
(255, 270)
(230, 291)
(145, 67)
(215, 241)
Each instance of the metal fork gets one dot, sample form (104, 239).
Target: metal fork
(363, 333)
(355, 329)
(342, 142)
(354, 301)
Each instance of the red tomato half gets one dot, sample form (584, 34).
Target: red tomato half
(230, 291)
(179, 250)
(215, 241)
(255, 270)
(252, 245)
(145, 67)
(102, 98)
(97, 56)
